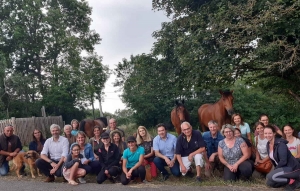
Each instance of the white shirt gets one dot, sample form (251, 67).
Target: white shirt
(262, 147)
(56, 149)
(293, 146)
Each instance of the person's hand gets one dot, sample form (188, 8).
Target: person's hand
(172, 162)
(183, 169)
(190, 157)
(207, 165)
(167, 160)
(13, 154)
(9, 158)
(106, 172)
(53, 164)
(86, 162)
(235, 167)
(128, 174)
(53, 170)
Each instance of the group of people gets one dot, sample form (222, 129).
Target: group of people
(232, 151)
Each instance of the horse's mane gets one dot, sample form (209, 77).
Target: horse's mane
(227, 93)
(180, 104)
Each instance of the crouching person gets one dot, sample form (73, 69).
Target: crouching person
(109, 157)
(133, 158)
(56, 148)
(189, 146)
(73, 168)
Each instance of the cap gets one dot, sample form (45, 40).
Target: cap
(131, 139)
(104, 135)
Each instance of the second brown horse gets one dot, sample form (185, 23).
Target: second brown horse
(87, 126)
(179, 115)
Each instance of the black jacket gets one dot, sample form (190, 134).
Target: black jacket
(109, 158)
(282, 155)
(70, 162)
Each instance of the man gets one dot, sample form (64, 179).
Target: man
(212, 138)
(112, 125)
(10, 146)
(189, 146)
(164, 145)
(53, 154)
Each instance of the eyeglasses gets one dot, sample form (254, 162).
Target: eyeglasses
(186, 129)
(226, 132)
(105, 138)
(76, 150)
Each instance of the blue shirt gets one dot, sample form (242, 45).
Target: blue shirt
(133, 158)
(74, 132)
(244, 129)
(211, 143)
(166, 147)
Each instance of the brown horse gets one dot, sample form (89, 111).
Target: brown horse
(87, 126)
(219, 111)
(179, 115)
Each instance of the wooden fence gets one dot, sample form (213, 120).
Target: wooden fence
(23, 127)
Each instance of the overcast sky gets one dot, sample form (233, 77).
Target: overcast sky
(125, 27)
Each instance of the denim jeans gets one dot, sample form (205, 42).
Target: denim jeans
(4, 168)
(161, 163)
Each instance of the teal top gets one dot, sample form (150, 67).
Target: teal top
(133, 157)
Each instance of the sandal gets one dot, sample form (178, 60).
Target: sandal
(72, 182)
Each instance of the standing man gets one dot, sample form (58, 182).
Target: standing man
(10, 146)
(53, 154)
(164, 145)
(189, 146)
(212, 138)
(112, 125)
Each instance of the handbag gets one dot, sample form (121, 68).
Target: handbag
(264, 167)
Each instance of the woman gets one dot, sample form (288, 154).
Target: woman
(38, 141)
(116, 139)
(72, 168)
(233, 153)
(109, 158)
(291, 136)
(133, 158)
(144, 139)
(264, 118)
(75, 127)
(68, 135)
(237, 133)
(96, 140)
(261, 145)
(238, 122)
(287, 168)
(89, 163)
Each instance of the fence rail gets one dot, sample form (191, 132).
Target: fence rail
(23, 127)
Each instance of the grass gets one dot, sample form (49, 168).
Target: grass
(257, 182)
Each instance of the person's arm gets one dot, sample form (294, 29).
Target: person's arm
(201, 143)
(90, 152)
(70, 162)
(101, 160)
(298, 151)
(124, 168)
(221, 157)
(149, 154)
(245, 156)
(45, 151)
(282, 155)
(116, 158)
(249, 137)
(141, 159)
(278, 131)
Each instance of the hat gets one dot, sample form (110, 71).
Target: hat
(104, 135)
(131, 139)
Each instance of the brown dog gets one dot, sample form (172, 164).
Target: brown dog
(29, 158)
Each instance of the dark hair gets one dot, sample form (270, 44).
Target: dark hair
(271, 127)
(97, 127)
(257, 124)
(161, 125)
(234, 115)
(294, 133)
(33, 137)
(263, 115)
(237, 129)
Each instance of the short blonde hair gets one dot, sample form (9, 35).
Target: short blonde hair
(227, 126)
(83, 134)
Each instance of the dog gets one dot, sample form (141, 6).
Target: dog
(29, 158)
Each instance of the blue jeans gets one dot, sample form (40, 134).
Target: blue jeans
(4, 168)
(161, 163)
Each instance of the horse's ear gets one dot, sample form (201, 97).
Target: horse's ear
(182, 101)
(231, 91)
(176, 102)
(221, 92)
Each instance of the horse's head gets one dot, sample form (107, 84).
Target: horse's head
(227, 99)
(180, 110)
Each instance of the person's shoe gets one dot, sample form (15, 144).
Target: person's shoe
(112, 180)
(81, 180)
(190, 174)
(49, 179)
(165, 177)
(72, 182)
(198, 179)
(295, 185)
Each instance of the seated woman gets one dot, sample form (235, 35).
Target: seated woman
(133, 158)
(291, 136)
(233, 153)
(89, 163)
(96, 140)
(238, 122)
(38, 141)
(109, 158)
(261, 144)
(237, 133)
(67, 133)
(75, 127)
(287, 168)
(116, 139)
(144, 139)
(72, 168)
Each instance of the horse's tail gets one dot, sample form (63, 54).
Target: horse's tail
(104, 120)
(82, 124)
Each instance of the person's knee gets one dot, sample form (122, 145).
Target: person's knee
(3, 172)
(157, 161)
